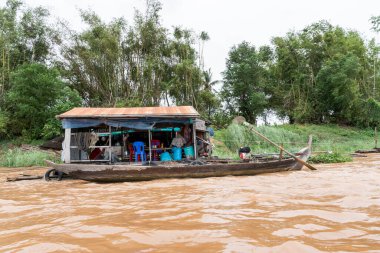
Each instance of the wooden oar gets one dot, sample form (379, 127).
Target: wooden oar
(278, 146)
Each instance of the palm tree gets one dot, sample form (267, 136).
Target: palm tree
(211, 100)
(203, 37)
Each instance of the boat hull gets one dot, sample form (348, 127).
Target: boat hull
(131, 172)
(122, 173)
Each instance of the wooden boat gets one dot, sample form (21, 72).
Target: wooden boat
(368, 151)
(189, 169)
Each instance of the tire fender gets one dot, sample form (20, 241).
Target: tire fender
(53, 174)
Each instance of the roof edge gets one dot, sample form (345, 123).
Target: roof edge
(96, 112)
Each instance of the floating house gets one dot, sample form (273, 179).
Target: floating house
(120, 144)
(111, 135)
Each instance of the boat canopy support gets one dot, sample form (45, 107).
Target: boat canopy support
(66, 146)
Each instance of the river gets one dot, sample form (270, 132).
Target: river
(333, 209)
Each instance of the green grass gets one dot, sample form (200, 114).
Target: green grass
(19, 158)
(340, 140)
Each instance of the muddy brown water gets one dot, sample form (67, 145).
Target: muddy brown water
(333, 209)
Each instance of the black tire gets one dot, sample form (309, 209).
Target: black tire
(197, 163)
(53, 174)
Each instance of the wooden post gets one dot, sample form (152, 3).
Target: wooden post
(195, 141)
(66, 147)
(281, 151)
(375, 137)
(110, 144)
(150, 146)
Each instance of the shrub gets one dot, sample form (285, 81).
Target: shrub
(330, 158)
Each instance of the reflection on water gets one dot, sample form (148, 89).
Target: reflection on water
(333, 209)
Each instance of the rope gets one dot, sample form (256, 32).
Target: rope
(83, 140)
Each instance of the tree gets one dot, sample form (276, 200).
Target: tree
(25, 37)
(94, 62)
(109, 64)
(209, 101)
(37, 94)
(337, 84)
(139, 65)
(375, 20)
(66, 99)
(4, 121)
(186, 75)
(203, 37)
(245, 81)
(370, 113)
(299, 58)
(371, 73)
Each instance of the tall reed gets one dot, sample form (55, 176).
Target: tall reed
(19, 158)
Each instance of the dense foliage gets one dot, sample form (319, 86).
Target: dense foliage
(321, 74)
(246, 80)
(36, 95)
(141, 65)
(47, 69)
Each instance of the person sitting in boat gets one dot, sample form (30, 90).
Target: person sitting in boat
(244, 152)
(201, 148)
(178, 141)
(204, 147)
(102, 141)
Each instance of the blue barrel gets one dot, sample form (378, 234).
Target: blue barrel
(177, 153)
(165, 157)
(189, 151)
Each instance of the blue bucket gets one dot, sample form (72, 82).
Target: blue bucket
(189, 151)
(177, 153)
(165, 157)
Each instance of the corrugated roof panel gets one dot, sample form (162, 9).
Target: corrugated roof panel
(91, 112)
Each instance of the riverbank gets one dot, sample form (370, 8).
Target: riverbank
(338, 141)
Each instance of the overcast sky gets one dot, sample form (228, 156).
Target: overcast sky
(230, 22)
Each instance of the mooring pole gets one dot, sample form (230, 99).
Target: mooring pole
(281, 151)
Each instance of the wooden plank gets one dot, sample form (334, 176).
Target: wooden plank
(84, 161)
(92, 146)
(13, 179)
